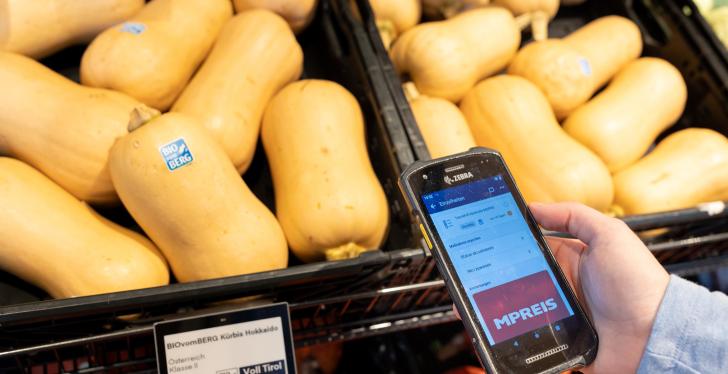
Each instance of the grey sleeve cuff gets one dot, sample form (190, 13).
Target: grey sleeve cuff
(690, 333)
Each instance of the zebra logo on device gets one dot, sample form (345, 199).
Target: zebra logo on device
(458, 177)
(176, 154)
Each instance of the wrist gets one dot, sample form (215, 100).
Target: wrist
(625, 330)
(685, 332)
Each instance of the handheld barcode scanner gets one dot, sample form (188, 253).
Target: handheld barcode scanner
(514, 301)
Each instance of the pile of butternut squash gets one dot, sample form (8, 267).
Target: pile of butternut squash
(575, 117)
(168, 114)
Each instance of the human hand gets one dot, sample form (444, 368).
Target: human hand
(616, 278)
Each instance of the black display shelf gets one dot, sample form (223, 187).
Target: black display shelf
(383, 291)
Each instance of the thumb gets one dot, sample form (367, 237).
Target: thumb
(582, 222)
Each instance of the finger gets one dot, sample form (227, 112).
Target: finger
(455, 310)
(582, 222)
(568, 254)
(556, 244)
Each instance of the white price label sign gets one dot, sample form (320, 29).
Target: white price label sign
(248, 341)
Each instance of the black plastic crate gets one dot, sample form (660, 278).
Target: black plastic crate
(670, 30)
(336, 47)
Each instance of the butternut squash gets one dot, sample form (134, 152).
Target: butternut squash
(510, 114)
(446, 58)
(570, 70)
(539, 12)
(182, 189)
(686, 168)
(153, 55)
(57, 243)
(562, 73)
(621, 122)
(298, 13)
(328, 199)
(441, 123)
(609, 43)
(61, 128)
(254, 57)
(404, 14)
(37, 28)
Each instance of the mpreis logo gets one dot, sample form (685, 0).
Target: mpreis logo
(523, 314)
(520, 306)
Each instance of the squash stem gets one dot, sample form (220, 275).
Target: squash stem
(387, 32)
(539, 25)
(410, 91)
(140, 116)
(342, 252)
(523, 21)
(451, 9)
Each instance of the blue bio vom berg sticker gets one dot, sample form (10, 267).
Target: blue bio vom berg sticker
(135, 28)
(176, 154)
(585, 67)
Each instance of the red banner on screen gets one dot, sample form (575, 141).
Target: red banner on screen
(520, 306)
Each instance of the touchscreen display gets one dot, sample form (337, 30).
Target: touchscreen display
(500, 264)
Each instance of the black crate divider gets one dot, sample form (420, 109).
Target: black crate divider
(394, 84)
